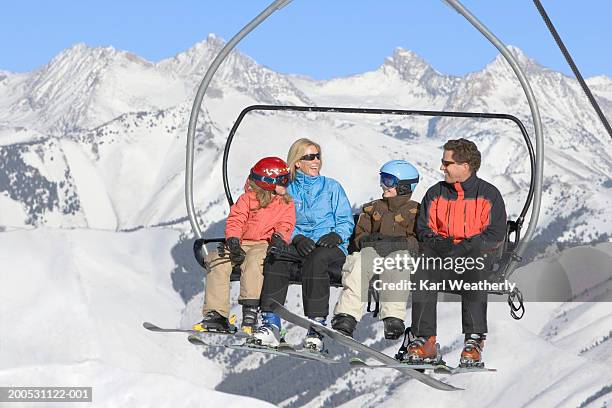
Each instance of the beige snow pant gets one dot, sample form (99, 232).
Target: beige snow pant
(356, 274)
(217, 291)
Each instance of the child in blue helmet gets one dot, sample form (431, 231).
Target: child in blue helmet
(386, 228)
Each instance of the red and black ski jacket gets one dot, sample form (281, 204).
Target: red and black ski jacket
(473, 209)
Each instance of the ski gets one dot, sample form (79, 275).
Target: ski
(284, 349)
(436, 368)
(287, 350)
(355, 345)
(233, 330)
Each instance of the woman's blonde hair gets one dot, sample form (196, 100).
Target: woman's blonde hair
(297, 150)
(265, 197)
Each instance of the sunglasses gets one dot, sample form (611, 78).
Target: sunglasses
(281, 180)
(311, 156)
(447, 163)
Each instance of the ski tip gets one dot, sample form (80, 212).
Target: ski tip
(357, 362)
(194, 339)
(149, 326)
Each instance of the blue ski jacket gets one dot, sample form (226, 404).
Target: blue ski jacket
(321, 206)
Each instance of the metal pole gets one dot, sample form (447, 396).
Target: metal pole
(537, 124)
(197, 103)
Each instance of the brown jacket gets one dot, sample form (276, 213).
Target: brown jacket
(394, 216)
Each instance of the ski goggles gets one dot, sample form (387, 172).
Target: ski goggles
(281, 180)
(311, 157)
(388, 180)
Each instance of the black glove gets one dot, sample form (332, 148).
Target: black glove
(465, 247)
(388, 238)
(329, 240)
(277, 243)
(221, 249)
(304, 245)
(442, 246)
(237, 254)
(366, 240)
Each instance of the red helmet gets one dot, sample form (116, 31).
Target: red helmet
(270, 172)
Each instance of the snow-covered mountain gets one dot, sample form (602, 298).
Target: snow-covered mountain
(96, 140)
(96, 137)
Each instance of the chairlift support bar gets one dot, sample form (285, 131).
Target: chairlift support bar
(277, 5)
(197, 103)
(401, 112)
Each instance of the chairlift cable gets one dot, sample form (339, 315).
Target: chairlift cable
(573, 66)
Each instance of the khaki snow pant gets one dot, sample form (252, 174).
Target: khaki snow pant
(356, 274)
(217, 290)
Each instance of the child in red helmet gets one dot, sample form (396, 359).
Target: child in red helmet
(263, 214)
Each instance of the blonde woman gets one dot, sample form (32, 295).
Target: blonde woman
(324, 223)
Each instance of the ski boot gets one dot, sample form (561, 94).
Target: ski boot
(423, 350)
(471, 356)
(344, 323)
(249, 319)
(394, 328)
(268, 334)
(213, 322)
(313, 340)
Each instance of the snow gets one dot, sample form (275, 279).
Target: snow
(92, 191)
(12, 212)
(73, 303)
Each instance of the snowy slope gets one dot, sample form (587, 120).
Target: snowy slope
(557, 355)
(73, 302)
(71, 312)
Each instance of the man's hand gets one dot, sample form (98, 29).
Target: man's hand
(465, 247)
(441, 245)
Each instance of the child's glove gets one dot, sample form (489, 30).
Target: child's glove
(278, 243)
(237, 254)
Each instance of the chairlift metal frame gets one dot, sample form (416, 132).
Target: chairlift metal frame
(516, 247)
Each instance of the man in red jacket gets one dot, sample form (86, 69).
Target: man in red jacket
(461, 217)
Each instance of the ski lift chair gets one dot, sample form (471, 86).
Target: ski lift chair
(503, 255)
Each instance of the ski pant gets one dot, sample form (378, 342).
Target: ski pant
(473, 302)
(356, 275)
(217, 291)
(314, 271)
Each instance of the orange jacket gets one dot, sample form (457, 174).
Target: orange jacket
(472, 209)
(247, 222)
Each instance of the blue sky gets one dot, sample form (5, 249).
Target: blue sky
(318, 38)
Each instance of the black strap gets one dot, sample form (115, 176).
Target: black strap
(373, 295)
(198, 252)
(573, 66)
(515, 301)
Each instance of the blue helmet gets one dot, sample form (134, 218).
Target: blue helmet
(400, 174)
